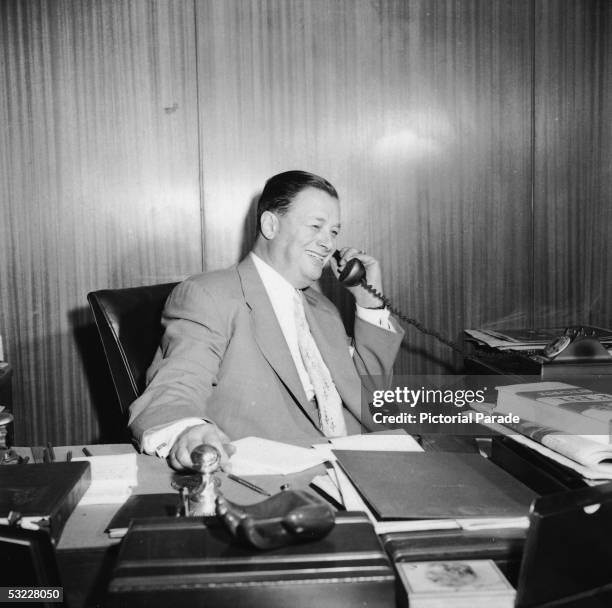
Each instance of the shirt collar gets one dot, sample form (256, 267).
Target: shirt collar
(273, 281)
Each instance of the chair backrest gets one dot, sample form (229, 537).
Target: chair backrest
(129, 324)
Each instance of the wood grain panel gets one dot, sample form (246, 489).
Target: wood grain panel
(99, 187)
(573, 142)
(418, 112)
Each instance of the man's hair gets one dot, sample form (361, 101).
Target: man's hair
(281, 189)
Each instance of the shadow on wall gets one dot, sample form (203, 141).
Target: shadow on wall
(249, 229)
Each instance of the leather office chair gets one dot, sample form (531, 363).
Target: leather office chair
(129, 324)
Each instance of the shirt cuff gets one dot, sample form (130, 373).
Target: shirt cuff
(375, 316)
(160, 439)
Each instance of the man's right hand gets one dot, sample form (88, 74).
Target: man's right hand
(208, 433)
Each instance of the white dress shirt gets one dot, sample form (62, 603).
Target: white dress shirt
(281, 293)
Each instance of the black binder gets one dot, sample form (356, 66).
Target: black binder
(49, 491)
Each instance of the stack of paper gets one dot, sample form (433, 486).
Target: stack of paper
(531, 339)
(113, 478)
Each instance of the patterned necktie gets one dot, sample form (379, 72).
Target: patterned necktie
(329, 403)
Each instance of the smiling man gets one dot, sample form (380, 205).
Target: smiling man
(255, 350)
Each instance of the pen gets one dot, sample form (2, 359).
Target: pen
(248, 484)
(87, 452)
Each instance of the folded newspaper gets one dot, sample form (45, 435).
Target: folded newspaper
(592, 459)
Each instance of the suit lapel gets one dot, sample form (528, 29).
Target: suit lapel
(268, 334)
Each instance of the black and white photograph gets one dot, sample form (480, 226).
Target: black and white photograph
(306, 303)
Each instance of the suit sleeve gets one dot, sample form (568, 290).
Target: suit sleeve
(375, 352)
(185, 368)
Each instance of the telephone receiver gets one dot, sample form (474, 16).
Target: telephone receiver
(353, 273)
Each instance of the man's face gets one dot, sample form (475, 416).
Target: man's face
(305, 237)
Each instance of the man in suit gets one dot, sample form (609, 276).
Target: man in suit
(255, 350)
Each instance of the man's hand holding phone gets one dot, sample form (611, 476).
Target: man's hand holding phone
(373, 275)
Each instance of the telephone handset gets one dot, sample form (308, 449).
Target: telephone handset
(353, 273)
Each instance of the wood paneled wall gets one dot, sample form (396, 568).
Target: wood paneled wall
(99, 187)
(573, 163)
(465, 137)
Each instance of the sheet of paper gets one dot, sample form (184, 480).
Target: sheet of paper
(494, 523)
(401, 442)
(415, 525)
(257, 456)
(113, 478)
(113, 467)
(106, 493)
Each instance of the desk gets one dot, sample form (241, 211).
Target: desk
(86, 555)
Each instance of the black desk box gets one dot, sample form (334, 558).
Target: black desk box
(182, 562)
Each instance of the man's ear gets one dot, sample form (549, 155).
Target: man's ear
(268, 225)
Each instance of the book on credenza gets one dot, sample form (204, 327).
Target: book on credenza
(564, 407)
(457, 583)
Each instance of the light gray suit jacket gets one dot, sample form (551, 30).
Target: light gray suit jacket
(223, 357)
